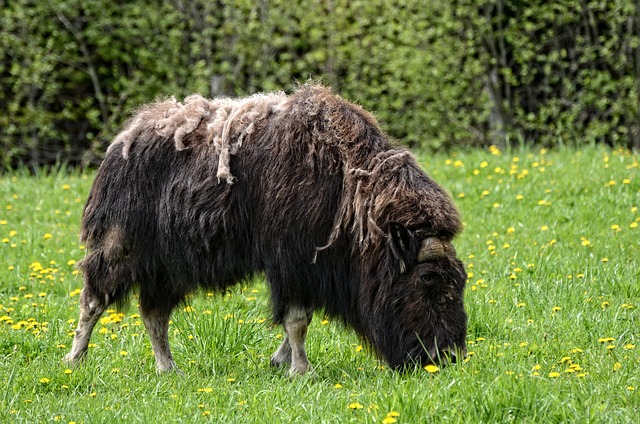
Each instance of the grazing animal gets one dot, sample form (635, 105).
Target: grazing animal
(303, 187)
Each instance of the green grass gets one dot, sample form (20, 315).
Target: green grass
(551, 245)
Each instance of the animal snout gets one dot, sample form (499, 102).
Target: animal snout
(448, 355)
(453, 354)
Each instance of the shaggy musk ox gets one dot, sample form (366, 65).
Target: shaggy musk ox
(303, 187)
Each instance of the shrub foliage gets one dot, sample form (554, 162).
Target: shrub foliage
(437, 74)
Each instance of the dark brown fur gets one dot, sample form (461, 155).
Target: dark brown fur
(316, 198)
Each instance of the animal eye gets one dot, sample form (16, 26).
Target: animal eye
(431, 278)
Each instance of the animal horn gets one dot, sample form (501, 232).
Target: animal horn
(448, 248)
(432, 248)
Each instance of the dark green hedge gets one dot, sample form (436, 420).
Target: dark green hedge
(437, 74)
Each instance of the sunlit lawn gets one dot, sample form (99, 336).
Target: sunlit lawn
(551, 244)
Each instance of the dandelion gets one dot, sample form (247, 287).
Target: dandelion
(355, 405)
(337, 386)
(431, 368)
(554, 374)
(47, 236)
(628, 346)
(68, 371)
(617, 366)
(358, 348)
(544, 228)
(556, 309)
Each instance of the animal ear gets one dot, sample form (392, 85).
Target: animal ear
(400, 235)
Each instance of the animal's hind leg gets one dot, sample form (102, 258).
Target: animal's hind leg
(91, 308)
(292, 350)
(156, 321)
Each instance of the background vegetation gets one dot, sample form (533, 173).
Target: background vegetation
(553, 301)
(437, 74)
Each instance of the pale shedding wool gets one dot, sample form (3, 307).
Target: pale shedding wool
(228, 123)
(361, 203)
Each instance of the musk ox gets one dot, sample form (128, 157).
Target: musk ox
(303, 187)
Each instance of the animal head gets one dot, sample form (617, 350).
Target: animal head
(421, 317)
(413, 282)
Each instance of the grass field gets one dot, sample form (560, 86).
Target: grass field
(551, 244)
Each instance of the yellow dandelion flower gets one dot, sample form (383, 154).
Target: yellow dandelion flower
(389, 420)
(337, 386)
(68, 371)
(355, 405)
(44, 380)
(554, 374)
(47, 236)
(628, 346)
(617, 366)
(358, 348)
(544, 228)
(556, 309)
(230, 380)
(431, 368)
(630, 388)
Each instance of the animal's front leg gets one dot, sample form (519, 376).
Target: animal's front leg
(292, 349)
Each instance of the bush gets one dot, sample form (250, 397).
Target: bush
(437, 75)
